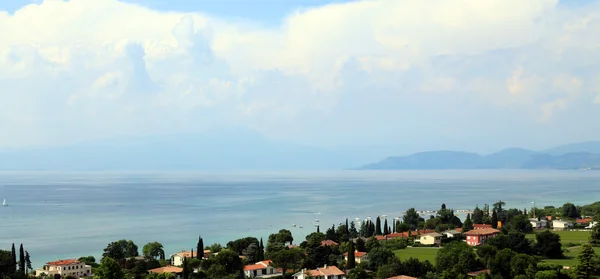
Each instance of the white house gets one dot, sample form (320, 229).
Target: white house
(65, 268)
(538, 224)
(358, 257)
(561, 224)
(262, 269)
(431, 239)
(591, 225)
(451, 233)
(326, 272)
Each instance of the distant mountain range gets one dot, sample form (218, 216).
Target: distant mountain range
(566, 157)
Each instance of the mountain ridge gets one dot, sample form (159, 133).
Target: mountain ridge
(559, 157)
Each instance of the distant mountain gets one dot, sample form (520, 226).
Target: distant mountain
(582, 147)
(513, 158)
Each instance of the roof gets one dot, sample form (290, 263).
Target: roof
(63, 262)
(329, 243)
(186, 254)
(452, 232)
(357, 254)
(481, 226)
(485, 231)
(167, 269)
(459, 230)
(585, 220)
(434, 234)
(402, 277)
(323, 271)
(258, 265)
(475, 273)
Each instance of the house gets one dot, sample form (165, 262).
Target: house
(402, 277)
(431, 239)
(561, 224)
(65, 268)
(538, 224)
(591, 225)
(476, 273)
(584, 221)
(358, 257)
(262, 269)
(177, 258)
(451, 233)
(477, 237)
(329, 243)
(326, 272)
(481, 226)
(176, 271)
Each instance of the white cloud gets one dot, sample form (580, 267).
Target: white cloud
(83, 69)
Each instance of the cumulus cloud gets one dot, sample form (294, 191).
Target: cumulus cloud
(373, 71)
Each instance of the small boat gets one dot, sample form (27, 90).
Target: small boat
(4, 203)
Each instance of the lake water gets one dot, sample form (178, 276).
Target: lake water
(68, 215)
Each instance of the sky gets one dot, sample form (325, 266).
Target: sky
(476, 75)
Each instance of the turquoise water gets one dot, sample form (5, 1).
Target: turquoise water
(68, 215)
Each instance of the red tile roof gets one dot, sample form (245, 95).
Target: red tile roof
(357, 254)
(258, 265)
(458, 229)
(167, 269)
(481, 226)
(325, 271)
(584, 221)
(329, 243)
(402, 277)
(485, 231)
(63, 262)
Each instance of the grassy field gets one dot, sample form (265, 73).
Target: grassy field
(421, 253)
(571, 257)
(577, 237)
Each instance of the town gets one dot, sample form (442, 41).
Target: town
(491, 242)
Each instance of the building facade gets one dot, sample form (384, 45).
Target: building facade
(478, 237)
(262, 269)
(65, 268)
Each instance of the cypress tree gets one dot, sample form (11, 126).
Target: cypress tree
(192, 254)
(378, 226)
(351, 260)
(318, 228)
(347, 228)
(21, 260)
(261, 249)
(200, 249)
(185, 268)
(494, 219)
(385, 228)
(13, 266)
(28, 261)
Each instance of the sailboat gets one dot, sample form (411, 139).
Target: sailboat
(4, 203)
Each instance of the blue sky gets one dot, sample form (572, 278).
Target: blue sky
(411, 74)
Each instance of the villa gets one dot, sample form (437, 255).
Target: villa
(65, 268)
(262, 269)
(326, 272)
(561, 225)
(176, 271)
(177, 258)
(358, 257)
(478, 237)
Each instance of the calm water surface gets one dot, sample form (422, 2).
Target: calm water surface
(68, 215)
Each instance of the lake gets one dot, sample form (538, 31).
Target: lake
(73, 214)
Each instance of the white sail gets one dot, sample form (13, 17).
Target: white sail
(4, 203)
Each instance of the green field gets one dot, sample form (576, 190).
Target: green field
(421, 253)
(577, 237)
(571, 257)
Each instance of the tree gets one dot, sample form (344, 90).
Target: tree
(6, 264)
(261, 250)
(570, 211)
(378, 226)
(352, 231)
(22, 263)
(520, 263)
(372, 243)
(385, 227)
(546, 274)
(498, 206)
(200, 248)
(185, 268)
(226, 264)
(494, 219)
(154, 250)
(108, 269)
(411, 218)
(548, 245)
(468, 224)
(120, 250)
(477, 215)
(500, 265)
(358, 273)
(27, 261)
(13, 268)
(457, 258)
(288, 259)
(360, 245)
(351, 260)
(588, 263)
(380, 256)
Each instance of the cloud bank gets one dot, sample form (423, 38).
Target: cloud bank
(366, 72)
